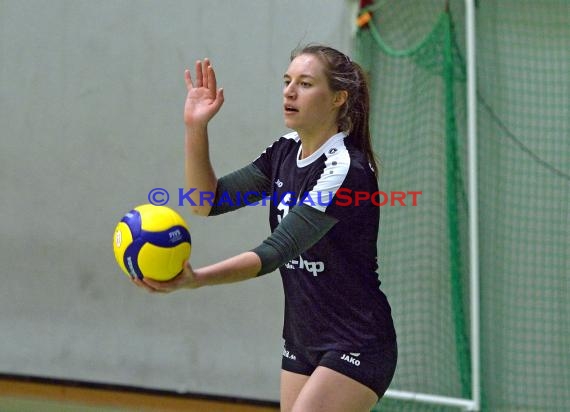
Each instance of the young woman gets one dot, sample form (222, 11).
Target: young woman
(340, 345)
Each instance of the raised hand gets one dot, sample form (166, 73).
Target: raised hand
(203, 99)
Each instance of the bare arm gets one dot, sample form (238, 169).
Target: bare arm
(235, 269)
(202, 103)
(297, 232)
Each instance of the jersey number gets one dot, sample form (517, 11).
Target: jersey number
(283, 206)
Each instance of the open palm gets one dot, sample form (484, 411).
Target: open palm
(203, 99)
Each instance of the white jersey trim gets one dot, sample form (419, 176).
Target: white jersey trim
(292, 135)
(336, 168)
(335, 140)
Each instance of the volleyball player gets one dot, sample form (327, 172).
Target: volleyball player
(340, 345)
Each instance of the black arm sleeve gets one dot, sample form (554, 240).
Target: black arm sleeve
(237, 189)
(298, 231)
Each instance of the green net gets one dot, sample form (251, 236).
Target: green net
(414, 54)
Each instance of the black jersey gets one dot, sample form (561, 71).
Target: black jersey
(332, 295)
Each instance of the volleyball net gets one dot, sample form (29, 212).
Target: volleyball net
(414, 54)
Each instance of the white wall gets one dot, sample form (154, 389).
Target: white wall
(91, 120)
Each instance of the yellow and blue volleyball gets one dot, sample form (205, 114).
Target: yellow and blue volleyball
(152, 242)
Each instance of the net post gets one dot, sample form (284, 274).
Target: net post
(464, 404)
(473, 203)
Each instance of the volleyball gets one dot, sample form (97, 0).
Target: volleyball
(152, 242)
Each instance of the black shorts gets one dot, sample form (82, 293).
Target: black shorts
(373, 368)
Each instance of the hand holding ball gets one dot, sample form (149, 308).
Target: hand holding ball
(152, 242)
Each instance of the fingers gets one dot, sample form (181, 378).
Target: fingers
(205, 72)
(199, 76)
(143, 285)
(162, 286)
(202, 72)
(205, 76)
(212, 84)
(219, 98)
(152, 286)
(188, 79)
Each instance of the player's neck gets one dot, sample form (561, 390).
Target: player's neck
(311, 141)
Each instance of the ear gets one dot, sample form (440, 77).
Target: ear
(340, 98)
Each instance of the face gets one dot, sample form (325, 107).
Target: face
(309, 104)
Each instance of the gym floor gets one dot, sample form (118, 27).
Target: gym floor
(34, 395)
